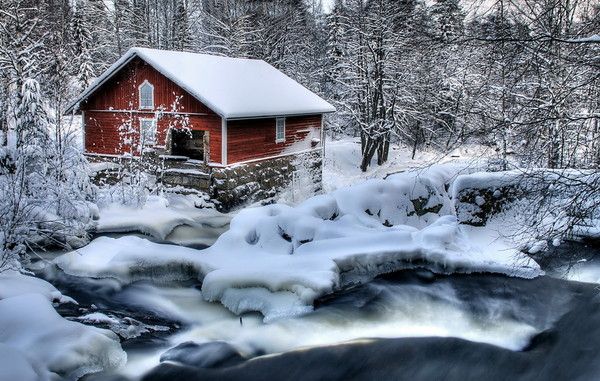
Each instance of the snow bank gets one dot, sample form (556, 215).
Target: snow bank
(278, 259)
(51, 343)
(159, 217)
(14, 365)
(564, 199)
(342, 159)
(13, 283)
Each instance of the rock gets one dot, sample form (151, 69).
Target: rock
(208, 355)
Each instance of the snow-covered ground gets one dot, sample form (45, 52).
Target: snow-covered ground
(342, 160)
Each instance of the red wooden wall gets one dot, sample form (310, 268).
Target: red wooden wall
(117, 101)
(255, 138)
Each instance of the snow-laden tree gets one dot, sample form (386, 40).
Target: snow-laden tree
(82, 45)
(45, 191)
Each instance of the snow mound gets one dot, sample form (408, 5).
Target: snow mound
(13, 283)
(278, 259)
(159, 217)
(14, 365)
(31, 325)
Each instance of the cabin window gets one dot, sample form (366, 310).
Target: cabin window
(280, 130)
(146, 95)
(147, 132)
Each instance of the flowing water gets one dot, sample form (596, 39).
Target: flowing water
(506, 313)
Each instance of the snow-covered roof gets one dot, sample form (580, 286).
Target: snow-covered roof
(231, 87)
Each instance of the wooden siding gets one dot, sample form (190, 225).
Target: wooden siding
(103, 135)
(117, 101)
(121, 92)
(255, 138)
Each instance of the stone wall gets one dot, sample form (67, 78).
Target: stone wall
(229, 186)
(478, 197)
(475, 206)
(263, 179)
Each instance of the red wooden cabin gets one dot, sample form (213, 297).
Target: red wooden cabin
(219, 110)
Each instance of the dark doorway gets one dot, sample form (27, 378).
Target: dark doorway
(188, 143)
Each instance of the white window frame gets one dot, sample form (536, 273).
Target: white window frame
(277, 125)
(153, 122)
(142, 107)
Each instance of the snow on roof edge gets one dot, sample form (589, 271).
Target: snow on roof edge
(141, 53)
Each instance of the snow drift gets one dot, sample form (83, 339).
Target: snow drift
(278, 259)
(52, 344)
(13, 283)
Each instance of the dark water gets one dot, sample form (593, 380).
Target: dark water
(410, 325)
(567, 349)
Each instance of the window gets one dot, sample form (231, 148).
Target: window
(147, 132)
(146, 95)
(280, 130)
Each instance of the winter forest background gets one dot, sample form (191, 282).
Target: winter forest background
(521, 76)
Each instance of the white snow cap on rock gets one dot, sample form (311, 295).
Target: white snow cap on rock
(231, 87)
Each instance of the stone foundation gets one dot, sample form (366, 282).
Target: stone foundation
(229, 186)
(261, 180)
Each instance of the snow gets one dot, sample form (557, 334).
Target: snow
(554, 189)
(127, 327)
(342, 159)
(97, 317)
(13, 283)
(186, 171)
(278, 259)
(588, 229)
(30, 325)
(103, 166)
(161, 217)
(14, 365)
(488, 180)
(231, 87)
(592, 38)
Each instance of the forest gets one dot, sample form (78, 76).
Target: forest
(521, 76)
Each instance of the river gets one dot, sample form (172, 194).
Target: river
(407, 325)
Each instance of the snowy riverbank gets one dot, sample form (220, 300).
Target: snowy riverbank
(278, 259)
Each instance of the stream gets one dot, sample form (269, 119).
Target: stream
(405, 325)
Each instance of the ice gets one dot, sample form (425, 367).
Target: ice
(223, 83)
(69, 349)
(97, 317)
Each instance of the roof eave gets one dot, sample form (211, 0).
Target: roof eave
(108, 74)
(264, 116)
